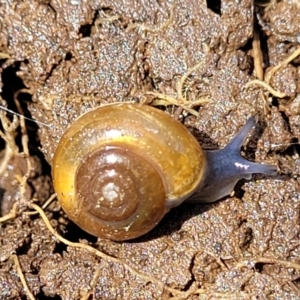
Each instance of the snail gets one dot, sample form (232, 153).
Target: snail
(119, 168)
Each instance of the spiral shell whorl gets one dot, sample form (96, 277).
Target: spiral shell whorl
(119, 168)
(118, 190)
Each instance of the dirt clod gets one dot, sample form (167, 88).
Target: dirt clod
(63, 58)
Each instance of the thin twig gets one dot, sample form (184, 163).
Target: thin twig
(22, 277)
(4, 55)
(266, 82)
(181, 99)
(285, 62)
(171, 100)
(184, 77)
(8, 136)
(267, 260)
(99, 253)
(44, 206)
(257, 56)
(266, 86)
(92, 285)
(12, 214)
(24, 141)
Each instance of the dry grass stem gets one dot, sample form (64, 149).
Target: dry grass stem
(92, 285)
(181, 82)
(106, 19)
(267, 6)
(99, 253)
(24, 141)
(4, 55)
(44, 206)
(15, 259)
(8, 136)
(177, 294)
(285, 62)
(266, 86)
(167, 100)
(10, 150)
(150, 28)
(265, 83)
(8, 155)
(257, 56)
(266, 260)
(11, 215)
(163, 99)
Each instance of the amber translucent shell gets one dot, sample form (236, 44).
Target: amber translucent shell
(119, 168)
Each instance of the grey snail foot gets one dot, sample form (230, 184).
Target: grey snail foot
(227, 167)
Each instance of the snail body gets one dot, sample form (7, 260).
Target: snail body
(119, 168)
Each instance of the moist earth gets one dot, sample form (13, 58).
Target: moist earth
(59, 59)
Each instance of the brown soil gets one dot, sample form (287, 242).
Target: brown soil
(59, 59)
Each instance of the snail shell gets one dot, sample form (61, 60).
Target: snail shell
(119, 168)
